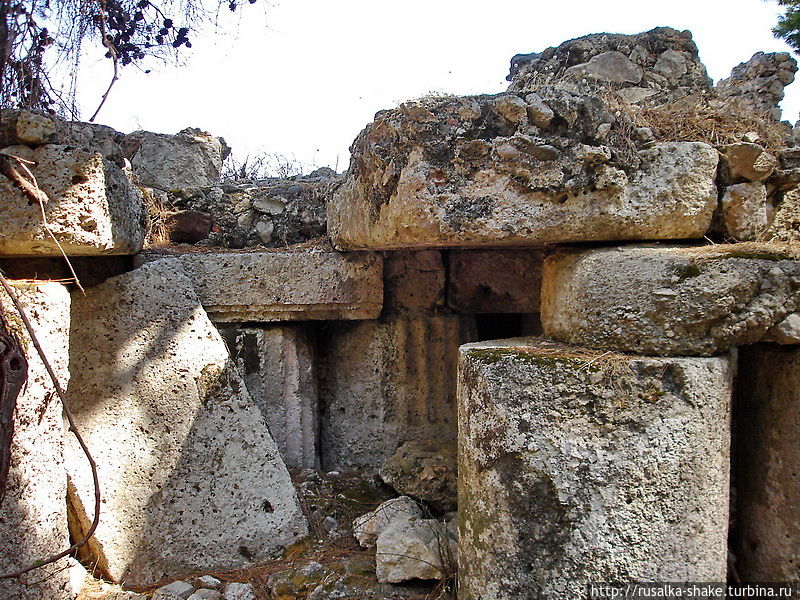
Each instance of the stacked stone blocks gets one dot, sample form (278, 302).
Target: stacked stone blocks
(598, 451)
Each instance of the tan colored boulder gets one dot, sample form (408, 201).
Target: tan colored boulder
(368, 527)
(580, 466)
(786, 332)
(191, 477)
(190, 158)
(33, 513)
(25, 127)
(425, 470)
(416, 549)
(668, 301)
(92, 206)
(785, 226)
(747, 162)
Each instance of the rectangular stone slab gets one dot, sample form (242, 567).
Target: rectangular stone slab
(479, 171)
(579, 466)
(303, 283)
(92, 205)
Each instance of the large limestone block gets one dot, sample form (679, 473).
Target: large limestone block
(668, 301)
(494, 281)
(386, 383)
(191, 478)
(488, 171)
(33, 514)
(190, 158)
(279, 366)
(767, 463)
(301, 283)
(578, 466)
(92, 208)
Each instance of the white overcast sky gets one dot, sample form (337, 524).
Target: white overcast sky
(302, 77)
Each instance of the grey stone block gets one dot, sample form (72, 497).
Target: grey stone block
(578, 466)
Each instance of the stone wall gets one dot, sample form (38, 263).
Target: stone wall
(599, 271)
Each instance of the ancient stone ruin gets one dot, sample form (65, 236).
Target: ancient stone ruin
(528, 342)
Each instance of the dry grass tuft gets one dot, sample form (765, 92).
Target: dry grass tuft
(704, 118)
(156, 231)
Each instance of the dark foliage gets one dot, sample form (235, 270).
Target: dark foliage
(38, 35)
(788, 27)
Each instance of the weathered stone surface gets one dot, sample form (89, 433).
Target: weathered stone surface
(92, 137)
(25, 127)
(785, 332)
(477, 171)
(93, 206)
(425, 470)
(191, 477)
(279, 367)
(190, 158)
(760, 81)
(414, 549)
(666, 300)
(494, 281)
(385, 383)
(746, 162)
(746, 211)
(414, 282)
(660, 65)
(768, 459)
(579, 466)
(206, 595)
(300, 283)
(33, 513)
(267, 212)
(239, 591)
(176, 589)
(368, 527)
(785, 226)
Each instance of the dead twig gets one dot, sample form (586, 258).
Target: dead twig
(72, 428)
